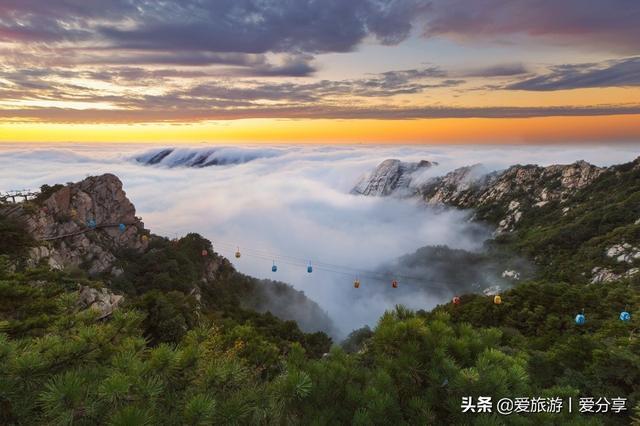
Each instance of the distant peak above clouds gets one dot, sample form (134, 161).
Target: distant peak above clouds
(203, 157)
(391, 176)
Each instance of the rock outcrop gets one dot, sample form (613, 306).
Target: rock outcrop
(601, 275)
(101, 300)
(624, 252)
(390, 176)
(457, 187)
(63, 224)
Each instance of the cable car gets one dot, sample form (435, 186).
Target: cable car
(238, 253)
(309, 268)
(356, 283)
(274, 267)
(205, 253)
(394, 284)
(456, 300)
(145, 238)
(580, 319)
(497, 300)
(122, 227)
(91, 223)
(74, 213)
(625, 316)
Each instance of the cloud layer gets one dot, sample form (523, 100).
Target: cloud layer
(294, 201)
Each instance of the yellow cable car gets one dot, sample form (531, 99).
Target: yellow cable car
(497, 300)
(238, 253)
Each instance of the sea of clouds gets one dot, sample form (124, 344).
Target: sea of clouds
(292, 202)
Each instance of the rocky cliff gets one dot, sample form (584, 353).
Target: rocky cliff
(82, 224)
(501, 197)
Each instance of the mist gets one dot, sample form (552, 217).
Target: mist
(293, 203)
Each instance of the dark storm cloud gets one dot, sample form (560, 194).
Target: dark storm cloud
(196, 32)
(618, 73)
(200, 33)
(247, 26)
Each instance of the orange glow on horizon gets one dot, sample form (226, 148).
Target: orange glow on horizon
(445, 130)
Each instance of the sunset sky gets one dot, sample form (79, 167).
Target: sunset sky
(358, 71)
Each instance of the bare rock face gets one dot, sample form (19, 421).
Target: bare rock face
(63, 222)
(603, 275)
(457, 188)
(101, 300)
(388, 177)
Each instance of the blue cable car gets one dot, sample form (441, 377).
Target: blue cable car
(91, 223)
(309, 268)
(274, 268)
(122, 227)
(580, 319)
(625, 316)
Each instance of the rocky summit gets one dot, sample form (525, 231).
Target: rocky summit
(389, 177)
(80, 224)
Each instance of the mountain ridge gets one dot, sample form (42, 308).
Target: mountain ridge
(577, 222)
(473, 187)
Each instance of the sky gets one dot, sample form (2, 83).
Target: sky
(358, 71)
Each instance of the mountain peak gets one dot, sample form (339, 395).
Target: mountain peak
(390, 176)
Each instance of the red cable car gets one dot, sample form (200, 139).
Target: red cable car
(394, 284)
(456, 300)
